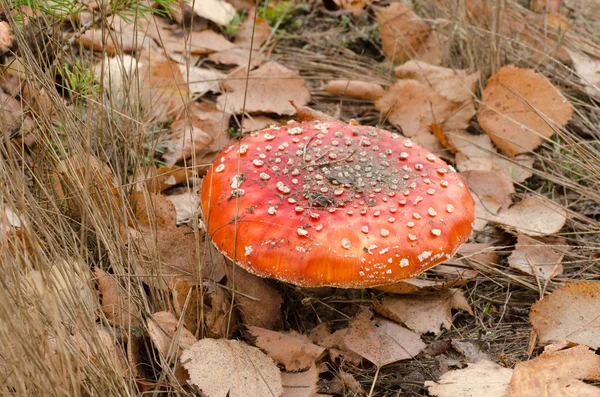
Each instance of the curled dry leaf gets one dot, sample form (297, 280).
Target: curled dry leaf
(557, 373)
(420, 286)
(167, 335)
(305, 113)
(570, 313)
(294, 351)
(533, 216)
(117, 304)
(355, 89)
(113, 43)
(403, 33)
(381, 341)
(221, 368)
(413, 106)
(102, 343)
(301, 384)
(483, 378)
(258, 303)
(519, 108)
(322, 336)
(537, 258)
(6, 36)
(269, 90)
(428, 313)
(157, 180)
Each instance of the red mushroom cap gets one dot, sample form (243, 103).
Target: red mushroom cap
(329, 203)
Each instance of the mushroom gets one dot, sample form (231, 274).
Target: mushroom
(334, 204)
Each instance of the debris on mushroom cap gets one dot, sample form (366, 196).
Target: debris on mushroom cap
(343, 205)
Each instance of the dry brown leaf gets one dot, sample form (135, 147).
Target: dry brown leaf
(187, 205)
(11, 111)
(258, 303)
(219, 321)
(228, 368)
(515, 106)
(533, 216)
(557, 373)
(456, 85)
(153, 209)
(6, 36)
(102, 343)
(117, 304)
(537, 258)
(114, 43)
(269, 90)
(570, 313)
(403, 33)
(239, 57)
(355, 7)
(301, 384)
(518, 168)
(429, 313)
(588, 70)
(483, 378)
(292, 350)
(419, 285)
(200, 80)
(253, 25)
(167, 335)
(256, 123)
(322, 336)
(381, 341)
(471, 145)
(490, 184)
(190, 136)
(354, 89)
(157, 180)
(413, 106)
(486, 209)
(305, 113)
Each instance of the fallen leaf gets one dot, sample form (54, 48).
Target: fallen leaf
(537, 258)
(335, 343)
(428, 313)
(491, 184)
(519, 108)
(471, 145)
(102, 343)
(220, 322)
(187, 205)
(456, 85)
(269, 90)
(191, 135)
(157, 180)
(305, 113)
(413, 106)
(470, 350)
(6, 36)
(518, 168)
(354, 89)
(486, 209)
(257, 123)
(532, 216)
(117, 303)
(442, 137)
(200, 80)
(483, 378)
(239, 57)
(588, 70)
(254, 30)
(258, 303)
(346, 385)
(167, 335)
(402, 32)
(570, 313)
(228, 368)
(217, 11)
(381, 341)
(419, 285)
(301, 384)
(557, 373)
(113, 43)
(294, 351)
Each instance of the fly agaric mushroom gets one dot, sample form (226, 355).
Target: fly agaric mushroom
(329, 203)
